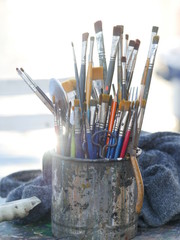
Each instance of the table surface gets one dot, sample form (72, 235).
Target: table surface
(42, 230)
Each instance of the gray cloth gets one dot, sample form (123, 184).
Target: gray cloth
(160, 167)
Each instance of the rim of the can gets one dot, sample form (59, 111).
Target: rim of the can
(99, 160)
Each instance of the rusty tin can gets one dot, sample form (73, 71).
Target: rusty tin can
(93, 199)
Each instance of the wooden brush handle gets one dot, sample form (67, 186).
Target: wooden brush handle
(139, 182)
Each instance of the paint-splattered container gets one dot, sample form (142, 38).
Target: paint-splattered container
(93, 199)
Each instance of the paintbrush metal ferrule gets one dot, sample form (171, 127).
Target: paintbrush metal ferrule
(91, 49)
(123, 123)
(130, 51)
(84, 48)
(153, 51)
(93, 110)
(153, 33)
(117, 120)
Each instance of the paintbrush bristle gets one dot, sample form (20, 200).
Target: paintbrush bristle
(116, 31)
(155, 39)
(98, 26)
(69, 85)
(143, 103)
(121, 105)
(126, 36)
(155, 29)
(53, 99)
(85, 36)
(105, 98)
(76, 102)
(22, 69)
(121, 28)
(132, 43)
(123, 59)
(93, 102)
(127, 105)
(136, 46)
(97, 73)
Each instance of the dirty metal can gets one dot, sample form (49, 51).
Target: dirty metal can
(93, 199)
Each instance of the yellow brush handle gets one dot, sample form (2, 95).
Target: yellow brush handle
(140, 185)
(89, 84)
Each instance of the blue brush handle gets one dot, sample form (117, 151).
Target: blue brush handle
(119, 146)
(109, 148)
(78, 144)
(90, 146)
(95, 148)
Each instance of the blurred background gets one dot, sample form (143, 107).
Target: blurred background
(37, 34)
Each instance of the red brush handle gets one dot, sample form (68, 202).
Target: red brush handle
(125, 143)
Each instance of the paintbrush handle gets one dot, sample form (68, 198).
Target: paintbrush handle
(110, 73)
(73, 148)
(125, 144)
(78, 145)
(148, 82)
(111, 119)
(119, 146)
(82, 82)
(90, 146)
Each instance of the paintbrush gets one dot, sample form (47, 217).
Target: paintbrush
(56, 89)
(76, 75)
(93, 110)
(112, 117)
(67, 136)
(89, 78)
(114, 47)
(109, 112)
(123, 124)
(129, 51)
(124, 90)
(144, 76)
(100, 48)
(126, 45)
(36, 89)
(104, 110)
(128, 132)
(98, 81)
(83, 66)
(77, 130)
(132, 63)
(151, 66)
(69, 87)
(119, 64)
(116, 126)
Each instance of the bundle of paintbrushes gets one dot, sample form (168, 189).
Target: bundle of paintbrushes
(94, 117)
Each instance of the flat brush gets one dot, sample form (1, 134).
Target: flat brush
(132, 63)
(119, 64)
(124, 90)
(89, 78)
(37, 90)
(114, 47)
(56, 89)
(76, 75)
(69, 87)
(129, 52)
(126, 45)
(98, 81)
(83, 66)
(144, 76)
(101, 48)
(151, 66)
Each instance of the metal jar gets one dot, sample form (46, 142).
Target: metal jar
(93, 199)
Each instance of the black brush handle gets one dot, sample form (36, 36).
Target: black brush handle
(109, 78)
